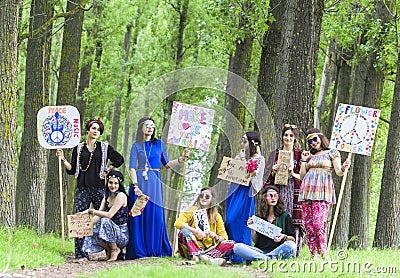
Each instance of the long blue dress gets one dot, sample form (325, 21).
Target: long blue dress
(147, 232)
(240, 205)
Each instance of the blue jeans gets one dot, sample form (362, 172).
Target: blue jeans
(284, 251)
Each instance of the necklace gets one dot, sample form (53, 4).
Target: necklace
(90, 158)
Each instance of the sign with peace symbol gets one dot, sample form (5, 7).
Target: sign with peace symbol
(354, 129)
(58, 127)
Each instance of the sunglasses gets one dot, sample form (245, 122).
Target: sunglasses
(204, 196)
(291, 126)
(272, 196)
(150, 126)
(315, 139)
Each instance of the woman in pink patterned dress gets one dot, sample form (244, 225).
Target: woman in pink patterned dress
(317, 192)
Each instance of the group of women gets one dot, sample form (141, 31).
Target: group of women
(302, 204)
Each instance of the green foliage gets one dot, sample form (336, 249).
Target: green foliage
(17, 249)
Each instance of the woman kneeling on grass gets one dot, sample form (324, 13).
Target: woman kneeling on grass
(111, 231)
(272, 209)
(193, 243)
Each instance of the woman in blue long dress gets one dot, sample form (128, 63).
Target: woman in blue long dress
(241, 201)
(147, 232)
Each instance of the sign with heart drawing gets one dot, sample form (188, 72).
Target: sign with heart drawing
(190, 126)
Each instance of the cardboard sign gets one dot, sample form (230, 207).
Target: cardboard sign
(233, 170)
(354, 129)
(139, 205)
(264, 227)
(58, 127)
(80, 225)
(201, 220)
(281, 177)
(190, 126)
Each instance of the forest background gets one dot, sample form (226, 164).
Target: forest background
(108, 58)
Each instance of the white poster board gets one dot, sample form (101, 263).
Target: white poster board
(235, 171)
(201, 220)
(58, 127)
(264, 227)
(80, 225)
(354, 129)
(190, 126)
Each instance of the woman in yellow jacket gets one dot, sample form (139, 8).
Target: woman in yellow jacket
(196, 244)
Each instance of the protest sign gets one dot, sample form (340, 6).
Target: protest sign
(281, 177)
(139, 205)
(190, 126)
(235, 171)
(354, 129)
(80, 225)
(201, 220)
(264, 227)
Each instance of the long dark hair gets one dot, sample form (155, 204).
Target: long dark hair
(254, 139)
(295, 134)
(212, 211)
(120, 178)
(322, 137)
(139, 131)
(263, 207)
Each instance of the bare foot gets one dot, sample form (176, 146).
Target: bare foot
(114, 254)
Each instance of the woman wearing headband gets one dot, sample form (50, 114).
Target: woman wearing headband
(111, 231)
(241, 200)
(89, 165)
(148, 232)
(317, 191)
(193, 242)
(290, 192)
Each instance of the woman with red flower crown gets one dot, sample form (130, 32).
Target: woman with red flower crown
(89, 165)
(241, 200)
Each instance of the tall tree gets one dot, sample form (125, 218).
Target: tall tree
(367, 90)
(32, 171)
(8, 92)
(66, 95)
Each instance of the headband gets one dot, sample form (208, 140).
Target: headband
(313, 134)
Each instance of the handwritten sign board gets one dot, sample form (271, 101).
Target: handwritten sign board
(58, 127)
(80, 225)
(281, 177)
(233, 170)
(264, 227)
(190, 126)
(201, 220)
(354, 129)
(139, 205)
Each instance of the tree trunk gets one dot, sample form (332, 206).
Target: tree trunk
(66, 95)
(342, 92)
(8, 92)
(120, 86)
(296, 65)
(32, 173)
(387, 231)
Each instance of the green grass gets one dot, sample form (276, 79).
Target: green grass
(17, 249)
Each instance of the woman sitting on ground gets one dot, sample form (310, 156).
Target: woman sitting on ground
(111, 231)
(195, 244)
(283, 246)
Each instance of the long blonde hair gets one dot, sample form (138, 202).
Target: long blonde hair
(212, 211)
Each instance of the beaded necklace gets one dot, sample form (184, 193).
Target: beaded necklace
(90, 158)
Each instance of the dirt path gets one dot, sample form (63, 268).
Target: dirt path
(73, 267)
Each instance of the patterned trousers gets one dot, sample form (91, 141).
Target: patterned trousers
(82, 199)
(315, 216)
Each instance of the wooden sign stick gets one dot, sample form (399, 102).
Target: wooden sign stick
(174, 246)
(61, 203)
(337, 207)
